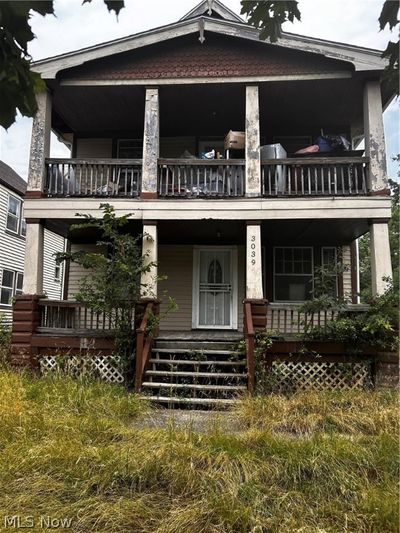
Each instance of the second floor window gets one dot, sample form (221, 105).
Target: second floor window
(15, 222)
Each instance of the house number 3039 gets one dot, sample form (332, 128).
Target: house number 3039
(253, 249)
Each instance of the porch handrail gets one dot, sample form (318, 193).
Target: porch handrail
(193, 178)
(249, 338)
(315, 176)
(93, 177)
(144, 344)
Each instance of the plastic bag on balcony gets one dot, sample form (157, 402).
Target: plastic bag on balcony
(207, 155)
(309, 149)
(330, 143)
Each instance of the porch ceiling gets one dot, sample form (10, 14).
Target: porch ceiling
(286, 108)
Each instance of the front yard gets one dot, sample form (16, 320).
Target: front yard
(311, 462)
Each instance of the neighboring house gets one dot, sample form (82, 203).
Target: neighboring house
(12, 245)
(140, 112)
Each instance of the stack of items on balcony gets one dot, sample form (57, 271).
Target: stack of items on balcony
(327, 143)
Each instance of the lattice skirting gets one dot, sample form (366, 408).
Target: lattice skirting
(319, 375)
(105, 367)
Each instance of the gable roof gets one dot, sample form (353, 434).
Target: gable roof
(11, 180)
(363, 59)
(207, 7)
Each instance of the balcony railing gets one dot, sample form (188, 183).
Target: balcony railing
(193, 178)
(93, 177)
(315, 176)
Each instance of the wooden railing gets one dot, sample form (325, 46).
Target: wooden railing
(193, 178)
(315, 176)
(93, 177)
(70, 317)
(249, 338)
(144, 343)
(288, 318)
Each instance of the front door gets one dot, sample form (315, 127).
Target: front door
(214, 302)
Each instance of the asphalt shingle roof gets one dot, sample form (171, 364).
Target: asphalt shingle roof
(10, 179)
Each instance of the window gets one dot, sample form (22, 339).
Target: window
(57, 273)
(11, 285)
(329, 262)
(130, 148)
(293, 274)
(15, 222)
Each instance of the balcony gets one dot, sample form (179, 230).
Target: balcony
(199, 178)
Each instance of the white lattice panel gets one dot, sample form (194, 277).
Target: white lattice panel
(320, 375)
(105, 367)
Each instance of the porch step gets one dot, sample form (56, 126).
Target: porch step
(195, 373)
(211, 375)
(191, 386)
(197, 362)
(198, 402)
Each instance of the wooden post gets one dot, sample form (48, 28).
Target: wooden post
(40, 145)
(33, 274)
(355, 272)
(151, 144)
(253, 165)
(381, 264)
(25, 322)
(375, 138)
(254, 286)
(150, 254)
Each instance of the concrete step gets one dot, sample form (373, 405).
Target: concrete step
(196, 362)
(208, 402)
(210, 375)
(195, 345)
(191, 386)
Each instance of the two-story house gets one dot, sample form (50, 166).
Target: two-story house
(252, 223)
(12, 245)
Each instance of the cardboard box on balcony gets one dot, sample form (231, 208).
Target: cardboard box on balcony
(235, 140)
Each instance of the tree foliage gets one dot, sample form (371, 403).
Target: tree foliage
(18, 83)
(113, 273)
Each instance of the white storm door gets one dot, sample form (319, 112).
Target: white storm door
(214, 288)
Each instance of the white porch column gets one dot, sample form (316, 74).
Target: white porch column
(151, 144)
(253, 168)
(40, 145)
(374, 136)
(150, 254)
(33, 272)
(381, 265)
(254, 287)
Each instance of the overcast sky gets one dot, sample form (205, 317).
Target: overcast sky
(76, 26)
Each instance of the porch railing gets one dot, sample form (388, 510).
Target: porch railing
(93, 177)
(193, 178)
(288, 318)
(71, 317)
(315, 176)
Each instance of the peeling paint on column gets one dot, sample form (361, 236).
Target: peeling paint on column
(253, 168)
(150, 141)
(381, 264)
(150, 255)
(40, 142)
(374, 136)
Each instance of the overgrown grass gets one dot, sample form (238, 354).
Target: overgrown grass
(310, 463)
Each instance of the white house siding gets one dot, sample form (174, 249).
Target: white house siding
(92, 148)
(52, 243)
(77, 272)
(12, 247)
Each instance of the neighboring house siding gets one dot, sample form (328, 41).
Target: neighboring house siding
(51, 287)
(12, 247)
(91, 148)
